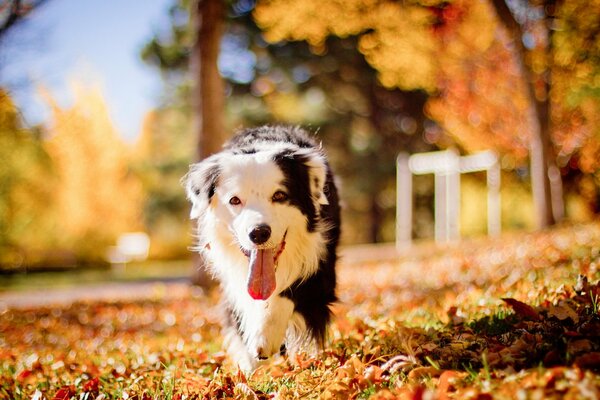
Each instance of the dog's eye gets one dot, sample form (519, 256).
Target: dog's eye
(235, 201)
(279, 196)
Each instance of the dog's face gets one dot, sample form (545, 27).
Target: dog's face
(252, 200)
(258, 202)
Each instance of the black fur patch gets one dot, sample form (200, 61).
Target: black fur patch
(297, 184)
(313, 296)
(210, 181)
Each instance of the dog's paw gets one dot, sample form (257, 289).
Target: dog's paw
(263, 350)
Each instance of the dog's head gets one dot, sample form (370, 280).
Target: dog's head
(259, 200)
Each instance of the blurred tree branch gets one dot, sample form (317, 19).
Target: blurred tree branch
(13, 11)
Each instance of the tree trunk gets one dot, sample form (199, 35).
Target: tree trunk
(545, 177)
(207, 18)
(375, 217)
(208, 92)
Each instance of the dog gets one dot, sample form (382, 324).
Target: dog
(268, 223)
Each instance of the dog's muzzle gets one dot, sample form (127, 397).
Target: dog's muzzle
(262, 263)
(260, 234)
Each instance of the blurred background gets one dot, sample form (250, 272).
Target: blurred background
(104, 104)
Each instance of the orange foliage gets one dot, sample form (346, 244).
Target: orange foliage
(482, 102)
(458, 52)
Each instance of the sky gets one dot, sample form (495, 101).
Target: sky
(93, 41)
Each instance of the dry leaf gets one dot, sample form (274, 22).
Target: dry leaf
(562, 312)
(523, 310)
(422, 372)
(588, 361)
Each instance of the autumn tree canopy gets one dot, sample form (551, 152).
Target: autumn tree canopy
(96, 197)
(462, 53)
(26, 179)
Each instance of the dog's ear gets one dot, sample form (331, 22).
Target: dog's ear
(317, 173)
(200, 184)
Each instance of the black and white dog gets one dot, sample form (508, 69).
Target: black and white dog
(269, 225)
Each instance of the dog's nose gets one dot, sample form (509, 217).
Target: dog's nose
(260, 234)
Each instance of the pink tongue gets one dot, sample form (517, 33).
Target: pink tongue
(261, 277)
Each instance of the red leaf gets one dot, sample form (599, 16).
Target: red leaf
(91, 386)
(64, 393)
(24, 375)
(523, 310)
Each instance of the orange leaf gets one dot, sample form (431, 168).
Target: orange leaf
(446, 383)
(91, 385)
(422, 372)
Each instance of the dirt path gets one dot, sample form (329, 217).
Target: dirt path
(113, 291)
(158, 288)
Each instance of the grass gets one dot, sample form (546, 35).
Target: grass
(151, 270)
(430, 324)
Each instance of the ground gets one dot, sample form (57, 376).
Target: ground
(512, 317)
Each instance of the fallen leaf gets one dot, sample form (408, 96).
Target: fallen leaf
(579, 346)
(91, 386)
(563, 312)
(337, 391)
(23, 375)
(446, 383)
(64, 393)
(523, 310)
(422, 372)
(373, 374)
(243, 391)
(553, 375)
(588, 361)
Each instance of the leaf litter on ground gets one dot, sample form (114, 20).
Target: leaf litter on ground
(517, 316)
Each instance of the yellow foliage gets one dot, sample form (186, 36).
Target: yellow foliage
(397, 37)
(312, 20)
(97, 198)
(400, 47)
(516, 205)
(162, 156)
(26, 181)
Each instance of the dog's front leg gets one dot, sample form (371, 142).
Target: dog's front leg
(268, 334)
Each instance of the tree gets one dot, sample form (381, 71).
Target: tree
(207, 94)
(162, 156)
(13, 11)
(26, 181)
(546, 180)
(360, 121)
(207, 19)
(189, 52)
(429, 44)
(96, 197)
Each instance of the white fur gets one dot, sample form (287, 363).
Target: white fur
(223, 228)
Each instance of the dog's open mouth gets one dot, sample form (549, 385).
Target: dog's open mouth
(261, 281)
